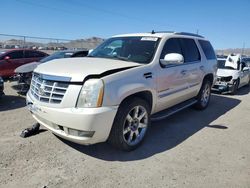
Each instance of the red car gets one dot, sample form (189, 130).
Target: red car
(11, 59)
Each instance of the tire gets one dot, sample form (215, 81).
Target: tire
(203, 97)
(130, 124)
(236, 85)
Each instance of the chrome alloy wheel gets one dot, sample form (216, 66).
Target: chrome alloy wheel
(205, 95)
(135, 125)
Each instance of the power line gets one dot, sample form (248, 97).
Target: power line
(52, 8)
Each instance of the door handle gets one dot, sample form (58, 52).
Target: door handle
(202, 67)
(148, 75)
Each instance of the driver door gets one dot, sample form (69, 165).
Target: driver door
(172, 80)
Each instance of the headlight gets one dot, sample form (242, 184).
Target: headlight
(91, 94)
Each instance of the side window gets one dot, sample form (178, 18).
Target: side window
(243, 65)
(207, 49)
(172, 45)
(80, 54)
(15, 55)
(190, 50)
(32, 54)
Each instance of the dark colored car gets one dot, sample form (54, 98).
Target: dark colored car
(11, 59)
(24, 72)
(1, 87)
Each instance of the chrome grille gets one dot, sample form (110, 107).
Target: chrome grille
(48, 91)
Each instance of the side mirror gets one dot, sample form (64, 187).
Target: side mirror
(245, 69)
(7, 58)
(172, 59)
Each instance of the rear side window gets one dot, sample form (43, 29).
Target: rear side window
(15, 55)
(190, 50)
(32, 54)
(171, 46)
(207, 49)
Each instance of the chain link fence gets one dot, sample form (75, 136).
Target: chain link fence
(48, 44)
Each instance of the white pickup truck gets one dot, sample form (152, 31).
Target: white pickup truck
(115, 92)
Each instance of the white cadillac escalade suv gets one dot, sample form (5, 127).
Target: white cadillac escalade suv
(121, 86)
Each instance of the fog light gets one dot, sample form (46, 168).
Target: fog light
(75, 132)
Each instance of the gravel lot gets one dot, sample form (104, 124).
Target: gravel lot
(208, 148)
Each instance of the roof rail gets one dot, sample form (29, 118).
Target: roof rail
(178, 33)
(188, 34)
(153, 32)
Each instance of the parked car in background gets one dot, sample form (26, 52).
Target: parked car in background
(23, 73)
(232, 74)
(129, 79)
(246, 60)
(11, 59)
(1, 87)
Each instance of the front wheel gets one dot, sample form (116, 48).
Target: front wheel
(235, 86)
(130, 125)
(203, 97)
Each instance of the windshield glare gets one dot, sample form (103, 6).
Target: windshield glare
(135, 49)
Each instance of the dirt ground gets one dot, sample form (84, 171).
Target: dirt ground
(208, 148)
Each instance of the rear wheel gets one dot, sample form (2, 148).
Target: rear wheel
(203, 97)
(130, 125)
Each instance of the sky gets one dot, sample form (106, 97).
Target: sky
(226, 23)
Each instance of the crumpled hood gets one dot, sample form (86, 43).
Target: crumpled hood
(30, 67)
(228, 72)
(78, 68)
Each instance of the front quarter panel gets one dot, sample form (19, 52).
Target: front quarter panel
(120, 85)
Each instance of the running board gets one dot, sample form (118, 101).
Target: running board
(172, 110)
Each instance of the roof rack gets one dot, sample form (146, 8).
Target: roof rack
(153, 32)
(178, 33)
(189, 34)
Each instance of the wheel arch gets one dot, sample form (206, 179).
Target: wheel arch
(209, 77)
(145, 95)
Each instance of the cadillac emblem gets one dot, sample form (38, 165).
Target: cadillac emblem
(41, 90)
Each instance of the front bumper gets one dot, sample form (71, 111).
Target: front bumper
(223, 87)
(60, 120)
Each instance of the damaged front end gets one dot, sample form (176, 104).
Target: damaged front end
(224, 84)
(22, 82)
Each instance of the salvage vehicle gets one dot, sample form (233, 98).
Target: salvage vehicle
(114, 93)
(11, 59)
(1, 87)
(232, 74)
(24, 73)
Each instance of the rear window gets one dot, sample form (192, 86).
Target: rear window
(207, 49)
(33, 54)
(16, 54)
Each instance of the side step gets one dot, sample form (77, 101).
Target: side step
(172, 110)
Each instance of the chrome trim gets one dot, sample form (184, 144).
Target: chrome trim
(53, 78)
(46, 90)
(172, 92)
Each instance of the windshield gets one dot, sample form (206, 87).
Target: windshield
(135, 49)
(221, 65)
(56, 55)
